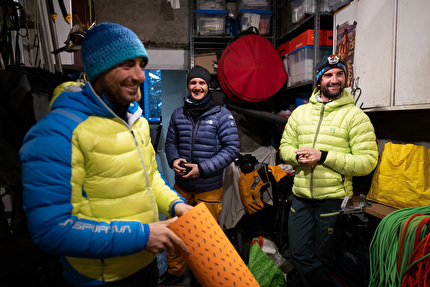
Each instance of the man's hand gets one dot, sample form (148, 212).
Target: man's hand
(194, 172)
(177, 168)
(308, 156)
(182, 208)
(161, 238)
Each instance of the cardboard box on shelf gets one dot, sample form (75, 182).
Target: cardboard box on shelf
(207, 61)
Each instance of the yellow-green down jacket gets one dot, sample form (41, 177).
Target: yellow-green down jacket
(91, 186)
(338, 127)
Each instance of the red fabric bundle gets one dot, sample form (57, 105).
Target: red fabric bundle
(250, 69)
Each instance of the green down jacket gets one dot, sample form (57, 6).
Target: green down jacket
(338, 127)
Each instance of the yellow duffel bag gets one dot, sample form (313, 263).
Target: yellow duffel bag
(402, 176)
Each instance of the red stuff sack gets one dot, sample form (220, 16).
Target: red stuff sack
(250, 69)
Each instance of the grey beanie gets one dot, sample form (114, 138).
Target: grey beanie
(199, 72)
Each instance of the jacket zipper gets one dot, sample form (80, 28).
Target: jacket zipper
(343, 182)
(313, 145)
(129, 127)
(195, 131)
(146, 175)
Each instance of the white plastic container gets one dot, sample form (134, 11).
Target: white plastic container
(301, 8)
(254, 4)
(210, 22)
(300, 63)
(260, 19)
(334, 5)
(210, 4)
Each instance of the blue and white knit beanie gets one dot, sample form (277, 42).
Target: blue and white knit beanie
(107, 45)
(328, 63)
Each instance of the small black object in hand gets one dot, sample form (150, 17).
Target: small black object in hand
(182, 164)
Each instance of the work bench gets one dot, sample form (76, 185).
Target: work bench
(379, 210)
(375, 209)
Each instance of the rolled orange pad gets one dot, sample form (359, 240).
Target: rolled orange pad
(212, 258)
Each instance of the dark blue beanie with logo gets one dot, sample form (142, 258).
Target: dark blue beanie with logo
(328, 63)
(108, 44)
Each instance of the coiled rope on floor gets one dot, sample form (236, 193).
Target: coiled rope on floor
(400, 248)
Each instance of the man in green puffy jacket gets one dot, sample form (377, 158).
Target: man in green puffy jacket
(328, 141)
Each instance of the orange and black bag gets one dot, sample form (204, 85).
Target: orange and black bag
(253, 184)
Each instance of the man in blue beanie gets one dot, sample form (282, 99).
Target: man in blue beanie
(328, 141)
(92, 191)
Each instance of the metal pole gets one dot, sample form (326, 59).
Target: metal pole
(192, 34)
(317, 28)
(44, 31)
(54, 38)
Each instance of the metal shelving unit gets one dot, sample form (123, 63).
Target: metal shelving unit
(219, 43)
(315, 22)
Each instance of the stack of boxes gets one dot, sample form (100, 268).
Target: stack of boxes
(211, 17)
(301, 8)
(298, 55)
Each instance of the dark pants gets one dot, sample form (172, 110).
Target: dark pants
(147, 277)
(313, 235)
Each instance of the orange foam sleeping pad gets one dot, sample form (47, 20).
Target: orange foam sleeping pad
(212, 258)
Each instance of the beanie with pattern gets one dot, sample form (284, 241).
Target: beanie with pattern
(107, 45)
(328, 63)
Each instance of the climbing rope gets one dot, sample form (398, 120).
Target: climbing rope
(400, 248)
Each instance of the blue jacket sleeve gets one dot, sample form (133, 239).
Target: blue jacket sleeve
(171, 145)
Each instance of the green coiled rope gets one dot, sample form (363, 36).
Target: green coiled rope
(385, 268)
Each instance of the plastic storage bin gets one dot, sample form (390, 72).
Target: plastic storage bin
(258, 18)
(301, 8)
(210, 22)
(253, 4)
(210, 4)
(300, 63)
(334, 5)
